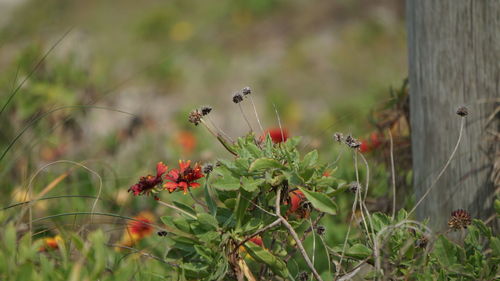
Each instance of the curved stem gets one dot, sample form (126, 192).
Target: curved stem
(462, 125)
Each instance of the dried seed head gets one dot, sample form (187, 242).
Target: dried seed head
(162, 233)
(303, 276)
(459, 219)
(246, 91)
(306, 205)
(354, 187)
(462, 111)
(195, 117)
(208, 168)
(422, 242)
(352, 142)
(320, 230)
(338, 137)
(237, 97)
(205, 110)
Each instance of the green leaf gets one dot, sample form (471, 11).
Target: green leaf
(228, 180)
(264, 256)
(184, 207)
(212, 207)
(241, 207)
(495, 246)
(320, 201)
(208, 221)
(446, 252)
(380, 221)
(358, 251)
(265, 164)
(483, 229)
(177, 223)
(497, 206)
(326, 182)
(203, 252)
(250, 184)
(310, 159)
(402, 215)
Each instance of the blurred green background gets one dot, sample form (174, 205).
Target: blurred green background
(120, 77)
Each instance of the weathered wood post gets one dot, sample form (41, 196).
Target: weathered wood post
(454, 60)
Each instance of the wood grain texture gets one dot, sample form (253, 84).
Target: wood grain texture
(454, 60)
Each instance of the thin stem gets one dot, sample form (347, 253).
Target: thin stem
(358, 193)
(208, 128)
(393, 176)
(176, 208)
(198, 201)
(245, 117)
(346, 236)
(462, 125)
(256, 115)
(295, 236)
(33, 70)
(219, 129)
(279, 122)
(262, 230)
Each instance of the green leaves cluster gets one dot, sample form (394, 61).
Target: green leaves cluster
(240, 200)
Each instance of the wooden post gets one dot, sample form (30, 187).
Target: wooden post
(454, 60)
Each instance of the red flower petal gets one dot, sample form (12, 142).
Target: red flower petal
(276, 135)
(184, 186)
(171, 186)
(184, 165)
(194, 185)
(161, 169)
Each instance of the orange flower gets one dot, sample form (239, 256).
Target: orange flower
(298, 204)
(184, 177)
(50, 243)
(137, 229)
(187, 141)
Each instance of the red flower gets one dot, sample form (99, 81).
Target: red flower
(365, 146)
(296, 198)
(370, 145)
(276, 135)
(375, 139)
(184, 178)
(257, 240)
(141, 226)
(146, 184)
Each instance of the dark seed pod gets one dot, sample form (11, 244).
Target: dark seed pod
(459, 219)
(462, 111)
(246, 91)
(422, 242)
(338, 137)
(195, 117)
(162, 233)
(237, 97)
(303, 276)
(208, 168)
(354, 187)
(320, 230)
(352, 142)
(205, 110)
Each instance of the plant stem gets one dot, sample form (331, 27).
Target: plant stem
(295, 236)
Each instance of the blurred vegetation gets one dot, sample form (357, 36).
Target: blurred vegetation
(114, 92)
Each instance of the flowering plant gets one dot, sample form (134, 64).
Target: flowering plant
(259, 207)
